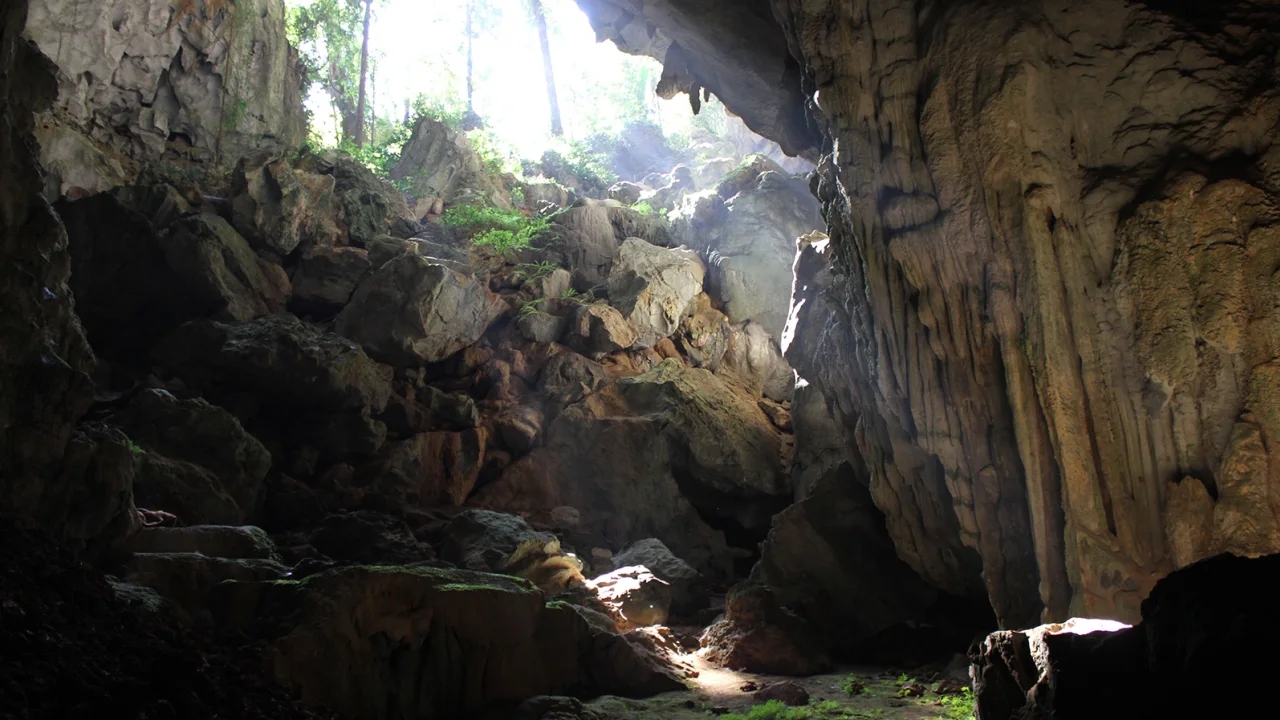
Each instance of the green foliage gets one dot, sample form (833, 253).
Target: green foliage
(853, 686)
(959, 707)
(533, 307)
(328, 35)
(497, 158)
(502, 230)
(135, 448)
(536, 271)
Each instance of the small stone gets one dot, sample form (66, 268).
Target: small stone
(947, 686)
(749, 686)
(788, 693)
(601, 554)
(912, 689)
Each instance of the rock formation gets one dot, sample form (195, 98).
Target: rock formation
(1041, 324)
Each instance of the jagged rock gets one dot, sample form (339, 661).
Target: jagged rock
(369, 537)
(519, 429)
(439, 162)
(829, 558)
(540, 195)
(220, 270)
(599, 329)
(757, 635)
(326, 277)
(430, 409)
(820, 443)
(705, 334)
(470, 640)
(223, 541)
(434, 468)
(368, 207)
(568, 377)
(753, 357)
(709, 174)
(787, 693)
(627, 193)
(192, 493)
(745, 175)
(496, 542)
(276, 208)
(200, 434)
(653, 287)
(279, 359)
(755, 244)
(541, 327)
(688, 589)
(131, 85)
(586, 237)
(412, 311)
(551, 286)
(91, 498)
(675, 435)
(185, 578)
(634, 593)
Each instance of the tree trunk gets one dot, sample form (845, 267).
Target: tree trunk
(540, 18)
(364, 73)
(471, 106)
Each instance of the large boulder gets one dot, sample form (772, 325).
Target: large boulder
(753, 358)
(325, 279)
(598, 329)
(277, 207)
(653, 287)
(758, 635)
(439, 162)
(279, 359)
(496, 542)
(387, 643)
(369, 537)
(195, 432)
(432, 468)
(586, 237)
(368, 206)
(677, 438)
(635, 594)
(192, 493)
(221, 271)
(754, 247)
(413, 311)
(688, 588)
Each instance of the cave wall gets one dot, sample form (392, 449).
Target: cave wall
(208, 80)
(1050, 327)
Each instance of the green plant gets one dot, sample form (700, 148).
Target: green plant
(533, 307)
(135, 448)
(853, 686)
(958, 707)
(536, 271)
(643, 207)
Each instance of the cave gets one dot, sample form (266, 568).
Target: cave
(938, 380)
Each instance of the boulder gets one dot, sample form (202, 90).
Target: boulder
(635, 594)
(430, 409)
(192, 493)
(279, 359)
(653, 287)
(412, 311)
(220, 271)
(705, 334)
(185, 578)
(368, 206)
(787, 693)
(568, 377)
(369, 537)
(541, 195)
(677, 438)
(759, 636)
(754, 247)
(220, 541)
(497, 542)
(200, 434)
(688, 589)
(430, 469)
(90, 499)
(325, 279)
(627, 193)
(541, 327)
(277, 208)
(338, 436)
(386, 642)
(753, 357)
(519, 429)
(440, 162)
(599, 329)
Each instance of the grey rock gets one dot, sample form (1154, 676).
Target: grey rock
(653, 288)
(326, 277)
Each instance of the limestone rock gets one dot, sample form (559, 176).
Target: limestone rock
(338, 437)
(653, 287)
(586, 237)
(469, 641)
(759, 636)
(412, 311)
(627, 193)
(497, 542)
(368, 207)
(325, 279)
(220, 270)
(433, 468)
(221, 541)
(541, 327)
(278, 358)
(635, 594)
(753, 357)
(277, 207)
(687, 587)
(519, 429)
(440, 162)
(195, 432)
(599, 329)
(185, 578)
(369, 537)
(193, 493)
(705, 334)
(135, 79)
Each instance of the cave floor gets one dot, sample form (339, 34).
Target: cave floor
(718, 692)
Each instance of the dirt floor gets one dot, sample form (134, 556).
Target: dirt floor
(717, 692)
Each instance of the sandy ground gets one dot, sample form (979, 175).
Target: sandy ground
(716, 691)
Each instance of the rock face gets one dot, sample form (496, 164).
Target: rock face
(441, 164)
(679, 438)
(1029, 322)
(393, 643)
(413, 311)
(653, 287)
(214, 76)
(757, 635)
